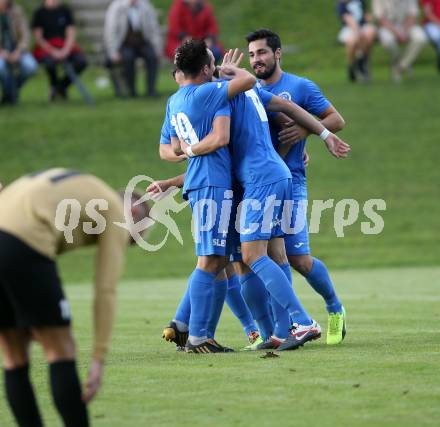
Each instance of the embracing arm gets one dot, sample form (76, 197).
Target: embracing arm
(242, 81)
(217, 138)
(335, 145)
(166, 152)
(159, 187)
(292, 132)
(295, 112)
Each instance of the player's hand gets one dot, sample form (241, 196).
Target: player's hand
(337, 147)
(292, 133)
(306, 158)
(228, 71)
(94, 380)
(231, 61)
(233, 57)
(158, 187)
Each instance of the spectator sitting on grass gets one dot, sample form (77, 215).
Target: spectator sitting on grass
(358, 35)
(398, 26)
(132, 31)
(14, 40)
(431, 11)
(192, 19)
(54, 31)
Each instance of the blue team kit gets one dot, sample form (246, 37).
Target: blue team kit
(266, 180)
(307, 95)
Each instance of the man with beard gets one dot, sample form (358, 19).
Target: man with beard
(265, 57)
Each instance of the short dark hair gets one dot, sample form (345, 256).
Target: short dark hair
(191, 57)
(272, 39)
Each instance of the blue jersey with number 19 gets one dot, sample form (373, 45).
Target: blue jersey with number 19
(192, 111)
(254, 159)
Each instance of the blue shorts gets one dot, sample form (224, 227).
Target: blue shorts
(260, 213)
(297, 238)
(211, 207)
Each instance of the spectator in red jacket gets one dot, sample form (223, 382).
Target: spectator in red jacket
(192, 19)
(431, 11)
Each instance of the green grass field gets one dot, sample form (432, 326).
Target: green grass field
(385, 374)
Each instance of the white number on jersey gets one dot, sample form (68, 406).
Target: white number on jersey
(258, 105)
(184, 128)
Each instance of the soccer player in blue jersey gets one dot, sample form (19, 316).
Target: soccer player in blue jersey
(177, 330)
(265, 56)
(266, 181)
(200, 107)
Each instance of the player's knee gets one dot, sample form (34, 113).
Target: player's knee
(15, 352)
(57, 343)
(230, 270)
(278, 256)
(301, 264)
(212, 264)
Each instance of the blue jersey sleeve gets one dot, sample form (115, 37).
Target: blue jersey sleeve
(314, 101)
(215, 95)
(264, 95)
(165, 132)
(225, 111)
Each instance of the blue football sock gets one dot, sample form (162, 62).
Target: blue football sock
(281, 315)
(201, 292)
(320, 281)
(281, 320)
(183, 311)
(236, 303)
(280, 288)
(257, 299)
(218, 300)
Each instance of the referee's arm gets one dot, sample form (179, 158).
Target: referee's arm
(112, 245)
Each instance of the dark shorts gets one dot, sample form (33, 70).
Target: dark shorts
(30, 288)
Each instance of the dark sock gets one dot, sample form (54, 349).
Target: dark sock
(66, 393)
(21, 397)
